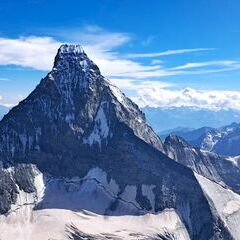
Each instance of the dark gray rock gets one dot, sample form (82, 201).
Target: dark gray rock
(8, 191)
(210, 165)
(18, 177)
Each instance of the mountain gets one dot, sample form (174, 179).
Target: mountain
(194, 136)
(188, 117)
(3, 111)
(187, 133)
(78, 161)
(222, 170)
(223, 140)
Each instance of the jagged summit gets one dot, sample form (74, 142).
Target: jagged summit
(173, 139)
(73, 69)
(71, 49)
(73, 103)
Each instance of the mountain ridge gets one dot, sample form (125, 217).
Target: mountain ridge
(76, 143)
(222, 140)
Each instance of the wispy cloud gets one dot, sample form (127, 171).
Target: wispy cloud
(168, 52)
(208, 64)
(101, 46)
(4, 79)
(90, 35)
(39, 52)
(156, 62)
(34, 52)
(136, 85)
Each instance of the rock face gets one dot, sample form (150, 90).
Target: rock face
(77, 143)
(223, 170)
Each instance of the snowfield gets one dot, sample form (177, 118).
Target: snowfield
(226, 202)
(58, 224)
(63, 213)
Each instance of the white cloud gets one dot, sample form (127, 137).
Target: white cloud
(208, 64)
(128, 73)
(39, 52)
(4, 79)
(188, 97)
(34, 52)
(156, 61)
(168, 52)
(100, 45)
(137, 85)
(92, 35)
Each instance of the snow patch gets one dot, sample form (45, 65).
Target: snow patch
(231, 207)
(101, 176)
(101, 128)
(117, 93)
(71, 48)
(31, 199)
(226, 202)
(235, 160)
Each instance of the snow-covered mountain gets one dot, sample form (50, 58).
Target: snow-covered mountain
(162, 119)
(223, 140)
(78, 161)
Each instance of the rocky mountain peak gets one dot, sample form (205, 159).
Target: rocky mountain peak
(73, 70)
(174, 140)
(73, 105)
(71, 49)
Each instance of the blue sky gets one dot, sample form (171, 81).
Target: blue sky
(186, 52)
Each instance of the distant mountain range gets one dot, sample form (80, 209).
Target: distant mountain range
(188, 117)
(79, 161)
(224, 140)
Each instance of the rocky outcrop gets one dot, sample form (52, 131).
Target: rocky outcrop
(220, 169)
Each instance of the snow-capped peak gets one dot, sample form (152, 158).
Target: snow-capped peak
(71, 48)
(73, 72)
(72, 58)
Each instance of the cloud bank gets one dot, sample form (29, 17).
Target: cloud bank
(187, 97)
(160, 94)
